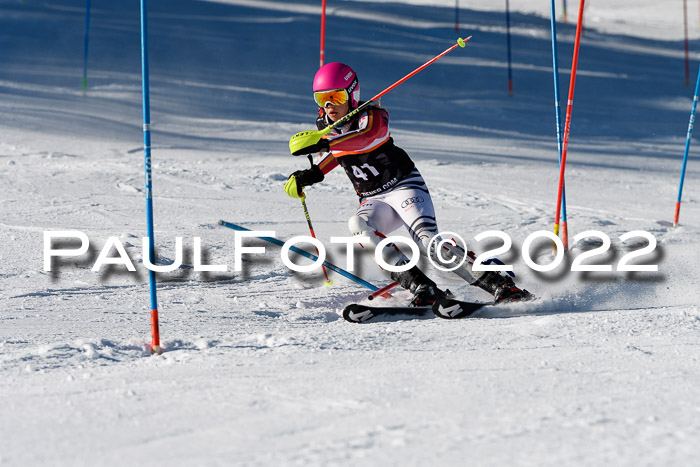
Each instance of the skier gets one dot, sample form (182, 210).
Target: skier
(391, 189)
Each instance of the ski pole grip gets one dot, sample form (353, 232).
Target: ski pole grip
(306, 139)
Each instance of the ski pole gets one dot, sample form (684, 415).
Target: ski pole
(308, 138)
(687, 149)
(311, 230)
(567, 122)
(311, 227)
(305, 254)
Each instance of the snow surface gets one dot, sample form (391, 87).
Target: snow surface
(258, 368)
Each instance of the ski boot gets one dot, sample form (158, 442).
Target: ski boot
(502, 288)
(424, 290)
(426, 295)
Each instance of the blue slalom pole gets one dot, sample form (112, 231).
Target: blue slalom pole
(155, 333)
(87, 37)
(306, 254)
(687, 149)
(510, 72)
(557, 108)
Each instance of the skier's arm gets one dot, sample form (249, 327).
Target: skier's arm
(327, 164)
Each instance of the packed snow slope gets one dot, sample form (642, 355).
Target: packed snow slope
(258, 367)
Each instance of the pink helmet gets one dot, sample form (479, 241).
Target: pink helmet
(337, 75)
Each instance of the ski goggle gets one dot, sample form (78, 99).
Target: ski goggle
(335, 97)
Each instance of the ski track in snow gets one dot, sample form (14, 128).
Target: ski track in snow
(259, 367)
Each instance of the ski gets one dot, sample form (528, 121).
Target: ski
(446, 308)
(449, 308)
(357, 313)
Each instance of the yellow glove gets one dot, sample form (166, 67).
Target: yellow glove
(291, 188)
(301, 178)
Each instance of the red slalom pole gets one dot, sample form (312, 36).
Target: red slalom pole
(567, 125)
(384, 291)
(323, 32)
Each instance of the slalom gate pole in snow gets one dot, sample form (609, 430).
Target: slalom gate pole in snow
(563, 6)
(687, 150)
(87, 37)
(685, 42)
(457, 16)
(306, 254)
(383, 291)
(307, 138)
(567, 123)
(557, 109)
(155, 332)
(510, 68)
(323, 32)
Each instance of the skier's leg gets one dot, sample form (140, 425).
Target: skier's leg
(415, 207)
(502, 287)
(374, 217)
(390, 253)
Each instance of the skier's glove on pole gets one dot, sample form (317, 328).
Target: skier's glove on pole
(291, 188)
(301, 178)
(320, 146)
